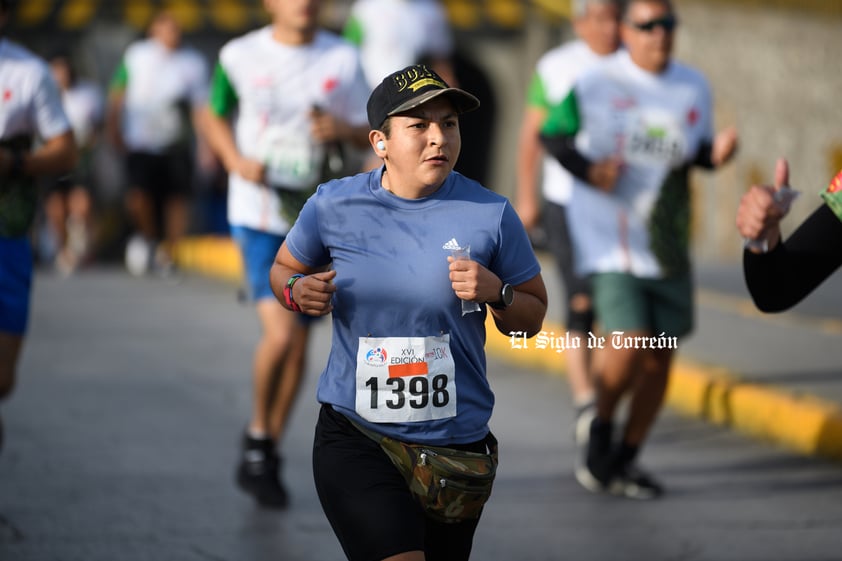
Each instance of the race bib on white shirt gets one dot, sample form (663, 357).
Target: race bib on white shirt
(291, 160)
(654, 137)
(405, 379)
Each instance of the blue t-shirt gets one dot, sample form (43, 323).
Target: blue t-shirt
(392, 281)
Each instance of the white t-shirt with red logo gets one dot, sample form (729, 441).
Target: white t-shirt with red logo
(161, 87)
(656, 124)
(30, 101)
(270, 90)
(30, 111)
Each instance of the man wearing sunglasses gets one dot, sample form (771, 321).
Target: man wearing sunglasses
(630, 131)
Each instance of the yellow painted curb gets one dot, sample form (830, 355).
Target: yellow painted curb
(212, 255)
(802, 423)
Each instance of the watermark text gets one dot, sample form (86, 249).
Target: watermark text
(617, 340)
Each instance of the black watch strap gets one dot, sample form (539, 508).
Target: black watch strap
(506, 298)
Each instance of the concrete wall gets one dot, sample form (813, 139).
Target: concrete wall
(776, 75)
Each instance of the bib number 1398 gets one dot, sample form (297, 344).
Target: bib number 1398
(414, 391)
(405, 379)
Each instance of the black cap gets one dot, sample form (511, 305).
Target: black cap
(409, 88)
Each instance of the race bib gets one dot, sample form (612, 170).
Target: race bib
(405, 379)
(654, 137)
(292, 161)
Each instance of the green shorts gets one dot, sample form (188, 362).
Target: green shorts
(623, 302)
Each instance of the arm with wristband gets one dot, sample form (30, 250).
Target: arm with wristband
(299, 288)
(289, 300)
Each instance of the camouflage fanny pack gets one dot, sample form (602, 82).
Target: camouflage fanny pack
(451, 485)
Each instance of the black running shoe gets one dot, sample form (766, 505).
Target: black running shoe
(259, 473)
(632, 482)
(597, 469)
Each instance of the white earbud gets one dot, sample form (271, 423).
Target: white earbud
(381, 145)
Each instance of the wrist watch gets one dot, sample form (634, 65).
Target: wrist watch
(507, 296)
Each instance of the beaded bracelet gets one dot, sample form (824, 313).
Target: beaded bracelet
(288, 299)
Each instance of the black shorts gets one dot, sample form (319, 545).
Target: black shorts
(53, 184)
(368, 503)
(82, 175)
(560, 244)
(161, 175)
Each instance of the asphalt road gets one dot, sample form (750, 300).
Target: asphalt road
(122, 435)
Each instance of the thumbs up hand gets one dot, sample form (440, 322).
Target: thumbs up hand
(762, 208)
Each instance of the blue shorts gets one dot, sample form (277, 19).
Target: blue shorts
(15, 284)
(258, 250)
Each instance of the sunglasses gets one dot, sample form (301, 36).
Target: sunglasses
(668, 23)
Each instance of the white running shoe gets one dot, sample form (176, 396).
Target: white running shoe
(138, 255)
